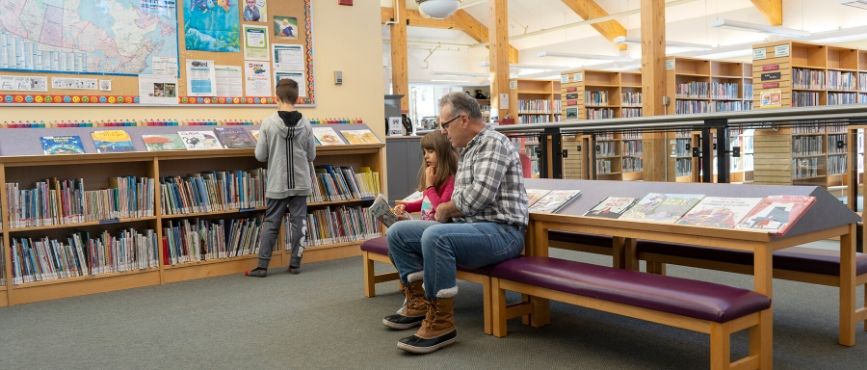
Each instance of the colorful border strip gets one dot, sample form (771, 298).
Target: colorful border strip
(225, 100)
(66, 99)
(308, 40)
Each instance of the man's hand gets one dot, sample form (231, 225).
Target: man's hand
(446, 211)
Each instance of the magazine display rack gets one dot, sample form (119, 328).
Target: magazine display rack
(22, 161)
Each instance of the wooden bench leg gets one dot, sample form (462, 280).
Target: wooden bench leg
(761, 340)
(498, 308)
(720, 347)
(656, 268)
(369, 275)
(541, 315)
(487, 297)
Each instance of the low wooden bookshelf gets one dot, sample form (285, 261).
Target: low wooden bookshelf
(535, 101)
(96, 168)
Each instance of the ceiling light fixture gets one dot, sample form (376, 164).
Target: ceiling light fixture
(755, 27)
(676, 44)
(616, 58)
(861, 4)
(438, 8)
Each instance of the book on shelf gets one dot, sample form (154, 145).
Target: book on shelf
(611, 207)
(336, 225)
(111, 141)
(777, 213)
(160, 142)
(70, 144)
(196, 240)
(327, 136)
(360, 136)
(658, 207)
(554, 201)
(720, 212)
(234, 137)
(200, 140)
(382, 212)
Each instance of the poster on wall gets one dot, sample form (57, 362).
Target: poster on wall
(297, 76)
(68, 83)
(255, 10)
(288, 57)
(153, 89)
(228, 80)
(201, 78)
(23, 83)
(771, 98)
(211, 25)
(255, 42)
(257, 81)
(285, 27)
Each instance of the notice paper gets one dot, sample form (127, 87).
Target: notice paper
(255, 42)
(66, 83)
(201, 78)
(228, 81)
(154, 89)
(288, 58)
(258, 78)
(23, 83)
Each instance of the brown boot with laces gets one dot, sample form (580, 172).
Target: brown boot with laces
(436, 331)
(414, 308)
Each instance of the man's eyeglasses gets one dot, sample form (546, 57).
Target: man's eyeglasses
(445, 125)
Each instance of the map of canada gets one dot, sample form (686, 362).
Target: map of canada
(126, 37)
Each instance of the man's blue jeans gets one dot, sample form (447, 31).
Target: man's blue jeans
(437, 249)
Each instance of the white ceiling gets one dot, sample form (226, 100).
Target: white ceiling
(688, 21)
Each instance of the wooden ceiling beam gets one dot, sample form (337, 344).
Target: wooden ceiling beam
(772, 9)
(589, 9)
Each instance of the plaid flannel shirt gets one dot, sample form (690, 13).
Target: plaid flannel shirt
(489, 185)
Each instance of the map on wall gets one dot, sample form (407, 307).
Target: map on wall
(123, 37)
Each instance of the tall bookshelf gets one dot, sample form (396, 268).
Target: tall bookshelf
(799, 74)
(592, 94)
(533, 101)
(97, 169)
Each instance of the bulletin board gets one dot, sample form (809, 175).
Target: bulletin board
(210, 33)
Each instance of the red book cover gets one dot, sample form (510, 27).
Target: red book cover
(777, 213)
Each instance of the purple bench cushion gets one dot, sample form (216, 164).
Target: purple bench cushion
(801, 259)
(590, 239)
(380, 246)
(697, 299)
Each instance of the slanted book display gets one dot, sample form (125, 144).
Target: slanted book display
(776, 213)
(721, 212)
(611, 207)
(657, 207)
(554, 200)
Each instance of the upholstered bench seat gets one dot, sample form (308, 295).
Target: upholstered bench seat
(684, 297)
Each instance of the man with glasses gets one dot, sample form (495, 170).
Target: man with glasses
(483, 224)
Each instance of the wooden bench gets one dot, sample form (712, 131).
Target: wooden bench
(713, 309)
(376, 250)
(809, 265)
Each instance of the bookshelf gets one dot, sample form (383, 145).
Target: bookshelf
(96, 170)
(702, 86)
(536, 101)
(592, 94)
(803, 155)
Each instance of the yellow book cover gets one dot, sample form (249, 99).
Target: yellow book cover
(361, 136)
(110, 141)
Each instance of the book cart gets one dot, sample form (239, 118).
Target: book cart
(22, 162)
(827, 218)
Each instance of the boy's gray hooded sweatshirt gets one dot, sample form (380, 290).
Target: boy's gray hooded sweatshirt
(286, 142)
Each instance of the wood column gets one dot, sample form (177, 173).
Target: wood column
(653, 85)
(498, 36)
(399, 68)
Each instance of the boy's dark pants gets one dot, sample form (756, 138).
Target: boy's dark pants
(296, 206)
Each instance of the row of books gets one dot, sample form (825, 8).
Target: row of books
(340, 183)
(819, 129)
(605, 166)
(806, 168)
(536, 106)
(839, 80)
(630, 98)
(80, 255)
(186, 241)
(539, 118)
(690, 106)
(774, 214)
(837, 164)
(680, 147)
(837, 143)
(683, 167)
(806, 145)
(162, 122)
(730, 106)
(633, 164)
(805, 98)
(837, 98)
(596, 97)
(600, 113)
(213, 191)
(692, 89)
(114, 141)
(633, 148)
(606, 148)
(811, 79)
(630, 112)
(57, 202)
(724, 90)
(336, 225)
(862, 81)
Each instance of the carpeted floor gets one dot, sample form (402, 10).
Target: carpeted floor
(320, 319)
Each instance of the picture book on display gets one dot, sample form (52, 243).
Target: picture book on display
(234, 137)
(777, 213)
(112, 141)
(160, 142)
(611, 207)
(199, 140)
(722, 212)
(381, 211)
(533, 196)
(554, 201)
(360, 136)
(62, 145)
(327, 136)
(658, 207)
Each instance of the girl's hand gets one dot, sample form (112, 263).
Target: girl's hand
(399, 209)
(428, 176)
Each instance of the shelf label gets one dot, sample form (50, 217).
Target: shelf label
(759, 54)
(109, 221)
(771, 76)
(770, 85)
(572, 96)
(570, 103)
(564, 78)
(781, 50)
(770, 67)
(513, 84)
(669, 65)
(572, 89)
(578, 76)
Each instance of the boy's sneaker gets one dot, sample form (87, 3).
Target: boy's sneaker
(257, 272)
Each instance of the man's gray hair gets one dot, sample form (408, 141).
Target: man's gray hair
(462, 102)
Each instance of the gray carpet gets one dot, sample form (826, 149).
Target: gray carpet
(320, 319)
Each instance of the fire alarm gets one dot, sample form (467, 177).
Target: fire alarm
(344, 2)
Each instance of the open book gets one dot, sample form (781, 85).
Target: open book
(381, 211)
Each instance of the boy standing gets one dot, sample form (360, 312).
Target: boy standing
(286, 142)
